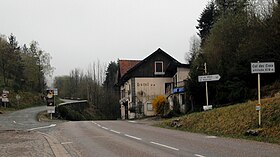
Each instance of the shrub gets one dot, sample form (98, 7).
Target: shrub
(159, 104)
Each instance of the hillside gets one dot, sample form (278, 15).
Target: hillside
(235, 120)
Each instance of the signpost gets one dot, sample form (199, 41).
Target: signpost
(50, 102)
(206, 78)
(5, 98)
(258, 68)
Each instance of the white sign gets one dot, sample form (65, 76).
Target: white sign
(5, 92)
(55, 91)
(51, 109)
(5, 96)
(264, 67)
(5, 99)
(206, 78)
(209, 107)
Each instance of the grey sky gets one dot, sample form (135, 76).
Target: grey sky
(78, 32)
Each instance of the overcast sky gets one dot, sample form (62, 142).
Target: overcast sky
(79, 32)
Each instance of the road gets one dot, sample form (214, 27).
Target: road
(23, 119)
(133, 138)
(114, 138)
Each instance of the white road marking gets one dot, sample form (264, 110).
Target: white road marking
(18, 123)
(94, 123)
(115, 131)
(211, 136)
(166, 146)
(137, 138)
(104, 128)
(66, 143)
(131, 121)
(198, 155)
(43, 127)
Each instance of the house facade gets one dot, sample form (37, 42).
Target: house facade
(141, 81)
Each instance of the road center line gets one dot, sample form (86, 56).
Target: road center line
(173, 148)
(43, 127)
(198, 155)
(104, 128)
(137, 138)
(115, 131)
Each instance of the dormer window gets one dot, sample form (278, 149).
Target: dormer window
(159, 68)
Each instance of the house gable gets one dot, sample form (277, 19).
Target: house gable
(158, 64)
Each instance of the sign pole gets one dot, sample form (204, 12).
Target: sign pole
(206, 87)
(259, 97)
(258, 68)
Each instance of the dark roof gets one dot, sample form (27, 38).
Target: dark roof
(126, 71)
(126, 65)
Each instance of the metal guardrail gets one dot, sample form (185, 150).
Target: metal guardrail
(72, 102)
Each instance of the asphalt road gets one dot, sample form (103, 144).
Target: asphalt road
(132, 138)
(23, 119)
(122, 139)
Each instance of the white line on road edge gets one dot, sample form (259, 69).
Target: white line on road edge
(66, 143)
(43, 127)
(104, 128)
(94, 123)
(137, 138)
(164, 146)
(115, 131)
(197, 155)
(131, 121)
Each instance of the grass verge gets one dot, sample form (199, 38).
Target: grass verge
(234, 121)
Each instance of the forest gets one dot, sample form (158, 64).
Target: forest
(97, 85)
(232, 35)
(23, 71)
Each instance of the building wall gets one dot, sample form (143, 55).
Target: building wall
(182, 74)
(147, 89)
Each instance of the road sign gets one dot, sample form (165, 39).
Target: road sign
(50, 98)
(258, 107)
(55, 91)
(262, 67)
(5, 97)
(208, 107)
(206, 78)
(50, 109)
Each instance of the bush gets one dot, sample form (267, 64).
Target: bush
(159, 104)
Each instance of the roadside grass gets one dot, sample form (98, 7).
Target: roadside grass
(234, 121)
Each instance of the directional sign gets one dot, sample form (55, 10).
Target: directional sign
(206, 78)
(264, 67)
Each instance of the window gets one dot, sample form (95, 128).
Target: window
(159, 68)
(149, 107)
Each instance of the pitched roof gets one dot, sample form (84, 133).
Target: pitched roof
(126, 65)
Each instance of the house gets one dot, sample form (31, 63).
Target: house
(140, 82)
